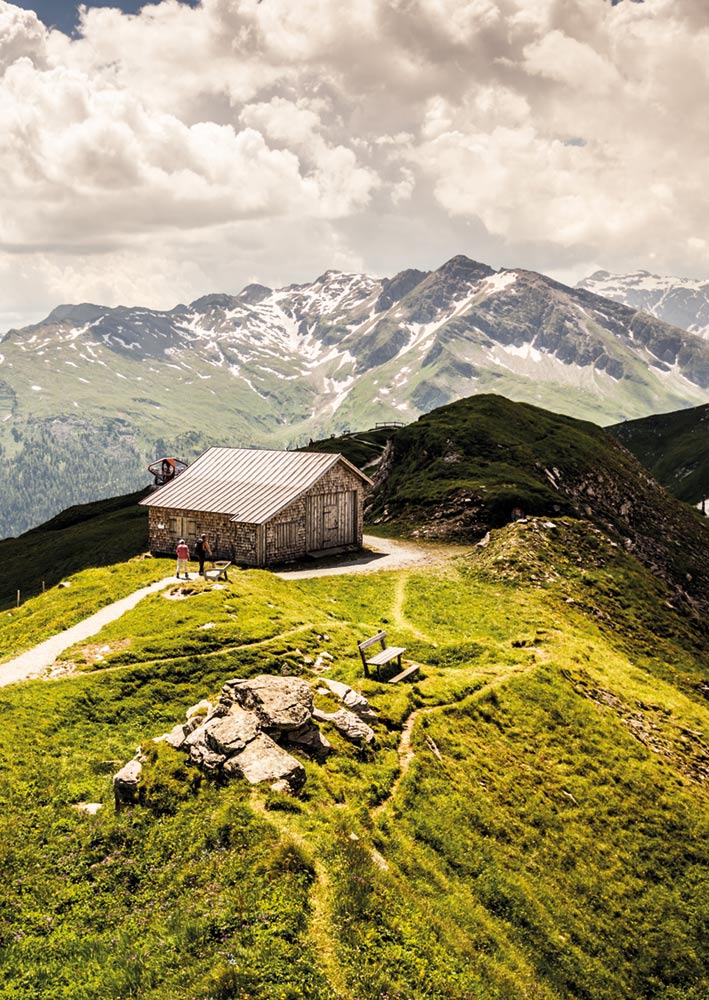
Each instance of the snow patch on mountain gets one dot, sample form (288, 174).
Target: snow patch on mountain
(500, 281)
(682, 302)
(526, 351)
(340, 389)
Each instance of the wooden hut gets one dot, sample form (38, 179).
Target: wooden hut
(260, 507)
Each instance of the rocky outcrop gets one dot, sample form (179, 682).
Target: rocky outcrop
(238, 737)
(248, 733)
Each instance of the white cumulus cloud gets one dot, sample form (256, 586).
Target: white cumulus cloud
(236, 140)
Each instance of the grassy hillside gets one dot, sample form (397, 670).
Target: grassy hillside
(465, 467)
(543, 834)
(532, 820)
(491, 455)
(92, 534)
(674, 447)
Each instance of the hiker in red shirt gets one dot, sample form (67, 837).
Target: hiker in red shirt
(183, 555)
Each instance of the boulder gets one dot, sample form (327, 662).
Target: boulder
(350, 698)
(263, 760)
(230, 734)
(349, 724)
(282, 704)
(126, 784)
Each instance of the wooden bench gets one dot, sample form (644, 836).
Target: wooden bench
(219, 572)
(385, 655)
(405, 673)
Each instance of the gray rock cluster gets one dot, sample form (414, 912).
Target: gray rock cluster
(349, 724)
(248, 732)
(243, 735)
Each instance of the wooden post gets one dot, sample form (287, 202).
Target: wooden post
(18, 598)
(43, 587)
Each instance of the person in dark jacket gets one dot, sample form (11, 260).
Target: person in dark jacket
(203, 552)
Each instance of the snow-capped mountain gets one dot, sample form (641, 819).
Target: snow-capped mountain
(102, 390)
(683, 302)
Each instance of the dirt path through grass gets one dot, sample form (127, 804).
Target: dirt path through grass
(221, 651)
(398, 613)
(36, 660)
(320, 921)
(384, 554)
(406, 754)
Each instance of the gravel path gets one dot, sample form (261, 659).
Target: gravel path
(384, 554)
(38, 659)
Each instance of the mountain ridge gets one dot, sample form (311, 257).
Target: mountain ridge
(682, 302)
(478, 463)
(281, 366)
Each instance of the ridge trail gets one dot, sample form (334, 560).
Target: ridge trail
(34, 661)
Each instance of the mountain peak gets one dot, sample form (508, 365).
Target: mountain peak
(84, 312)
(217, 300)
(460, 265)
(401, 284)
(254, 293)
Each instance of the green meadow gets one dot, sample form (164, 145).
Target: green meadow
(532, 821)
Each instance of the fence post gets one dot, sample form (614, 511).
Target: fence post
(18, 598)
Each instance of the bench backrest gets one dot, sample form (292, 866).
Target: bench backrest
(379, 637)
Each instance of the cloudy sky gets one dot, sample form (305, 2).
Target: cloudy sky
(150, 154)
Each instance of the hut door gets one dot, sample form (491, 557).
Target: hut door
(331, 520)
(183, 527)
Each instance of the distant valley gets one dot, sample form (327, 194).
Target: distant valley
(91, 394)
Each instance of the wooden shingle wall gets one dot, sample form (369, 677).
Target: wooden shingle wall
(286, 532)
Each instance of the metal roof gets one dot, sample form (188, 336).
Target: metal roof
(248, 484)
